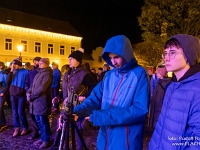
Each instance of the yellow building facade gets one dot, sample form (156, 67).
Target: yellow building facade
(39, 36)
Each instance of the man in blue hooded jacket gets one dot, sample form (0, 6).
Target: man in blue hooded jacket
(119, 103)
(178, 125)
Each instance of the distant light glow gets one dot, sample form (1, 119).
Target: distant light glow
(20, 48)
(7, 63)
(38, 32)
(56, 61)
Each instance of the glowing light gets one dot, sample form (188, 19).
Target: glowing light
(56, 61)
(20, 48)
(38, 32)
(7, 63)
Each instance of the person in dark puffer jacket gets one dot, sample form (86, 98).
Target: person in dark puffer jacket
(178, 125)
(40, 95)
(83, 83)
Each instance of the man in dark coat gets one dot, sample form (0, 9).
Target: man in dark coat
(40, 95)
(28, 83)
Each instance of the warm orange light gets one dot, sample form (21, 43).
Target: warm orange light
(38, 32)
(20, 48)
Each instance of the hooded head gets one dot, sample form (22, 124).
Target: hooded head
(119, 45)
(190, 46)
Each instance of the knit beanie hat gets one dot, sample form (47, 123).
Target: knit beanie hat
(17, 61)
(78, 54)
(162, 71)
(45, 60)
(37, 58)
(190, 46)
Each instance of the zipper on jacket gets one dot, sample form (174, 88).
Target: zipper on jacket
(127, 133)
(111, 107)
(117, 91)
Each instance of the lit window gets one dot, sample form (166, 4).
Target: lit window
(62, 50)
(50, 48)
(24, 43)
(8, 44)
(37, 47)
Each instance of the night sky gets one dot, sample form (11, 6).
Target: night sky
(95, 20)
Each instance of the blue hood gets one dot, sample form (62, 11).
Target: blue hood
(120, 45)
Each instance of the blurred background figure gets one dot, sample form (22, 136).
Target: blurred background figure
(86, 66)
(158, 94)
(2, 95)
(28, 66)
(55, 86)
(100, 74)
(105, 68)
(150, 72)
(94, 70)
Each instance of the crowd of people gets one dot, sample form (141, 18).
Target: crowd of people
(118, 98)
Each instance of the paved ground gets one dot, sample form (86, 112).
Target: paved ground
(22, 143)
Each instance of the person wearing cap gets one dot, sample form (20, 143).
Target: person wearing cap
(157, 98)
(119, 103)
(55, 85)
(83, 84)
(16, 80)
(39, 94)
(2, 95)
(29, 81)
(178, 126)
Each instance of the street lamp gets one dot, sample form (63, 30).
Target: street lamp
(20, 48)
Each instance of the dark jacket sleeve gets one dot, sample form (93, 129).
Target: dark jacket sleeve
(27, 82)
(8, 82)
(90, 82)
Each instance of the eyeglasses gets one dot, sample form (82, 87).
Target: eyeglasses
(171, 54)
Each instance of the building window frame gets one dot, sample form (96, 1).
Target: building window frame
(73, 48)
(50, 48)
(62, 50)
(24, 43)
(8, 44)
(37, 47)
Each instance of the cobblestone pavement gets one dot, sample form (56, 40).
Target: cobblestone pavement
(22, 143)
